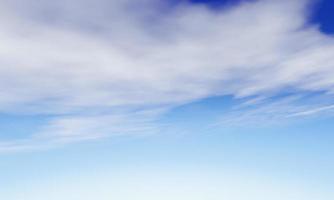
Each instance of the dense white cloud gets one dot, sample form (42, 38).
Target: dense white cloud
(81, 57)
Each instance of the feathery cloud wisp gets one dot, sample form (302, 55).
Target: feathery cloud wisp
(83, 58)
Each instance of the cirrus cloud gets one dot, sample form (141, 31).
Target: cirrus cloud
(81, 60)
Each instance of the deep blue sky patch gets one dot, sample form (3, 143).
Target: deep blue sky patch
(213, 4)
(324, 16)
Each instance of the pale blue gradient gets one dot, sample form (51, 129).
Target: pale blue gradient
(188, 160)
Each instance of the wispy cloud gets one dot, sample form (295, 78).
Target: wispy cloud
(277, 110)
(79, 57)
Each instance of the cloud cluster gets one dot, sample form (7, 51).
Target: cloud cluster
(83, 60)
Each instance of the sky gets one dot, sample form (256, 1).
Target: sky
(166, 99)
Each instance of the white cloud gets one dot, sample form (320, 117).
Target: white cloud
(79, 57)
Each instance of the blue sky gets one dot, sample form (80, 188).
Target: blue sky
(149, 99)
